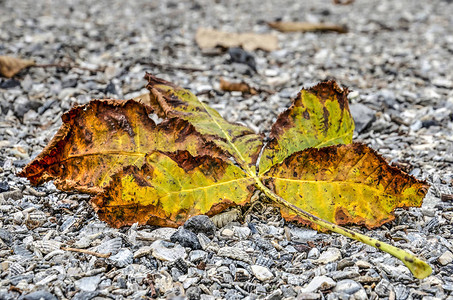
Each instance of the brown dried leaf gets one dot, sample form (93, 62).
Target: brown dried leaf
(242, 87)
(210, 38)
(10, 66)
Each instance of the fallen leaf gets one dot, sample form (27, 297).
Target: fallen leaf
(211, 38)
(345, 184)
(242, 87)
(98, 139)
(318, 117)
(306, 27)
(195, 162)
(170, 101)
(10, 66)
(170, 188)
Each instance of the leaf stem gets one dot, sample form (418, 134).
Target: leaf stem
(419, 268)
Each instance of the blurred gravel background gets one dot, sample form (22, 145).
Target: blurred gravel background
(397, 61)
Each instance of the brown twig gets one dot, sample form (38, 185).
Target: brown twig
(172, 67)
(66, 66)
(102, 255)
(340, 2)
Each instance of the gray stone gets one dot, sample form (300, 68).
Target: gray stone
(193, 293)
(347, 286)
(301, 235)
(445, 258)
(123, 258)
(200, 224)
(161, 252)
(197, 255)
(330, 255)
(163, 233)
(234, 253)
(186, 238)
(320, 283)
(308, 296)
(276, 295)
(363, 116)
(383, 288)
(88, 284)
(262, 273)
(39, 295)
(313, 253)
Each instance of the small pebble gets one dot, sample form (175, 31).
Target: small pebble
(262, 273)
(186, 238)
(319, 283)
(446, 258)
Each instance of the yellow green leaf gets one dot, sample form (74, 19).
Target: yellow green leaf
(170, 101)
(343, 184)
(319, 117)
(163, 174)
(170, 188)
(98, 139)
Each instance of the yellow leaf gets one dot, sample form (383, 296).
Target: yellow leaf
(170, 188)
(10, 66)
(344, 184)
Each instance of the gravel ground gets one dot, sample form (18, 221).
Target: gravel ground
(397, 60)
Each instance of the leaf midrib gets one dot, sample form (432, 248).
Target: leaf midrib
(229, 140)
(338, 182)
(168, 193)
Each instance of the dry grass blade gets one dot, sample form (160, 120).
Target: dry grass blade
(306, 27)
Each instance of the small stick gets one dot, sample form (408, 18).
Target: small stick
(172, 67)
(102, 255)
(66, 66)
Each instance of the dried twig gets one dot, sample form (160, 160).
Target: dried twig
(172, 67)
(67, 66)
(340, 2)
(306, 27)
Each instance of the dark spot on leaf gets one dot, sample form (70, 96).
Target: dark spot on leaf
(408, 259)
